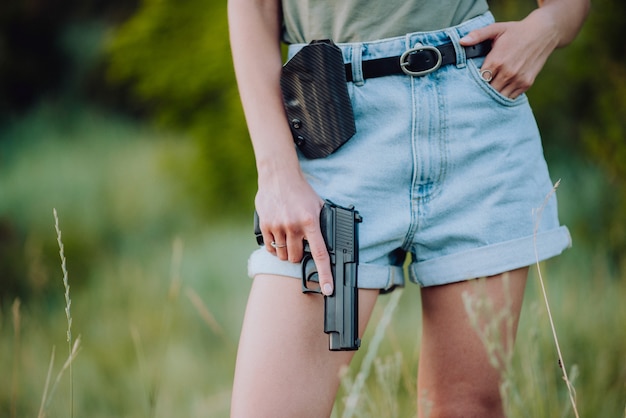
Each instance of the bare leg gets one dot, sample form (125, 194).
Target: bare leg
(284, 367)
(455, 378)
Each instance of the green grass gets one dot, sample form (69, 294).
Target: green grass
(157, 292)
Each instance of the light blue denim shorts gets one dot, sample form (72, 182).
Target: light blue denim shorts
(442, 166)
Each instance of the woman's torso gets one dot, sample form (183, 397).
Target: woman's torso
(366, 20)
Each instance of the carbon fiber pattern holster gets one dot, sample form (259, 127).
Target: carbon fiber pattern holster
(315, 95)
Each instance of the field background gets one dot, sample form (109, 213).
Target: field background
(125, 119)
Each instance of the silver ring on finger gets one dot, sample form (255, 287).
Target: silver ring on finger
(486, 75)
(276, 246)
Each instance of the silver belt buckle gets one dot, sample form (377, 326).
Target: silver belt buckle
(404, 63)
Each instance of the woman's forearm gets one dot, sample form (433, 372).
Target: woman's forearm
(567, 17)
(255, 44)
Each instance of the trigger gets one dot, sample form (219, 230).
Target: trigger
(305, 280)
(308, 276)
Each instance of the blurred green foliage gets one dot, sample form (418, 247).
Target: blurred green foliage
(138, 304)
(33, 60)
(175, 55)
(107, 177)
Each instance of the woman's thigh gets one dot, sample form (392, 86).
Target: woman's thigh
(455, 372)
(284, 366)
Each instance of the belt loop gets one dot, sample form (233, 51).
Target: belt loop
(460, 51)
(408, 41)
(357, 60)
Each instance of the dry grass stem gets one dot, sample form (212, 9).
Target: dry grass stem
(388, 375)
(570, 387)
(352, 400)
(15, 308)
(47, 398)
(496, 329)
(44, 397)
(204, 312)
(166, 323)
(72, 348)
(175, 272)
(141, 360)
(66, 285)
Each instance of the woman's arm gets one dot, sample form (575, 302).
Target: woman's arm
(520, 49)
(287, 205)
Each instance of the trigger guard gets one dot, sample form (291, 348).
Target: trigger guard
(307, 277)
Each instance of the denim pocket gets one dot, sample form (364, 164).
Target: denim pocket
(473, 66)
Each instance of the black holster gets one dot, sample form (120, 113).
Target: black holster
(315, 95)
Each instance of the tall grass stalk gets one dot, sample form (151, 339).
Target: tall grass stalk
(496, 330)
(141, 360)
(68, 304)
(44, 397)
(15, 308)
(48, 395)
(356, 389)
(205, 313)
(172, 298)
(73, 346)
(570, 387)
(388, 375)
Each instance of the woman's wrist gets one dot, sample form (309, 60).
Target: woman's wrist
(564, 18)
(279, 164)
(545, 27)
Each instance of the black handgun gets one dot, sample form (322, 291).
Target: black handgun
(339, 227)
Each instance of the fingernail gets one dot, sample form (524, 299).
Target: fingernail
(467, 38)
(328, 289)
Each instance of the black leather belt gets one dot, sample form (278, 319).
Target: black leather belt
(417, 61)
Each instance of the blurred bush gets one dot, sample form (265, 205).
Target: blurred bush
(108, 179)
(176, 58)
(33, 61)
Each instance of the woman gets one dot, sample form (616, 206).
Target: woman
(445, 165)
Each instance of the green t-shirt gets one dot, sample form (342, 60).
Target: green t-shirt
(367, 20)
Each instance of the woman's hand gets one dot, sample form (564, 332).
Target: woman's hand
(289, 213)
(520, 49)
(519, 52)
